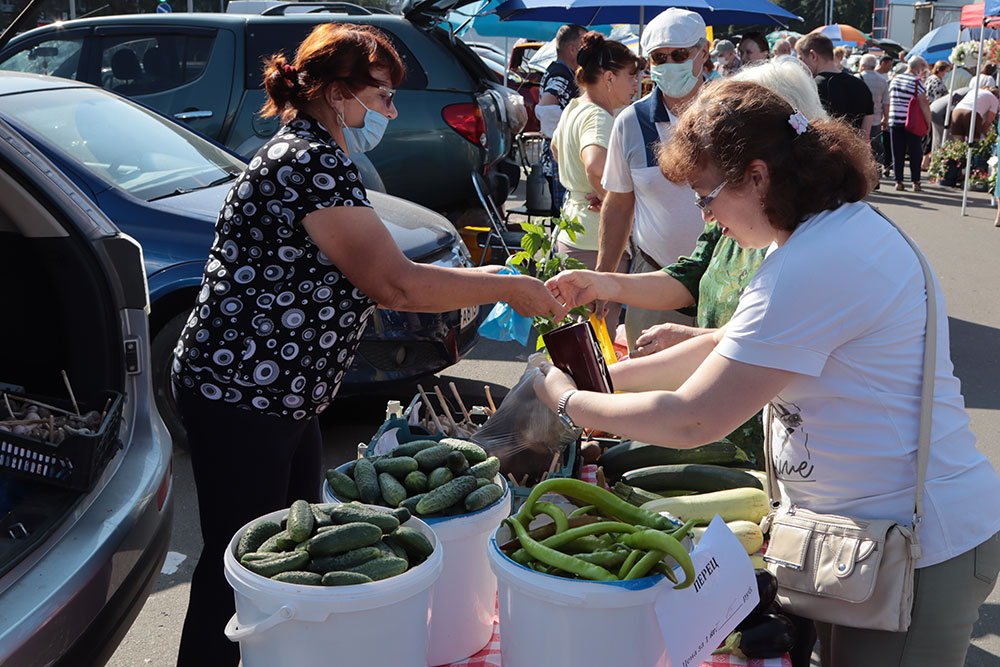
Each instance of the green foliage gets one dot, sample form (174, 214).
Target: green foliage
(954, 151)
(539, 259)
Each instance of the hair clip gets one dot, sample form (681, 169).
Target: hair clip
(289, 71)
(798, 121)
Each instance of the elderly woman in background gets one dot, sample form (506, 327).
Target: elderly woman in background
(902, 88)
(936, 89)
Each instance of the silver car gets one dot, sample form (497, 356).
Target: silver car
(75, 566)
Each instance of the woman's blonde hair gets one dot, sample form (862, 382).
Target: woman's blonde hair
(790, 79)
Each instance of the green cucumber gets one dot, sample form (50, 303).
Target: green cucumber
(281, 563)
(300, 521)
(482, 481)
(414, 542)
(255, 535)
(320, 517)
(411, 503)
(367, 480)
(433, 457)
(699, 477)
(392, 491)
(399, 466)
(483, 497)
(343, 487)
(342, 561)
(352, 513)
(457, 463)
(345, 579)
(257, 555)
(488, 469)
(415, 482)
(414, 446)
(278, 542)
(473, 453)
(393, 549)
(298, 577)
(443, 497)
(632, 455)
(439, 476)
(382, 568)
(402, 514)
(339, 539)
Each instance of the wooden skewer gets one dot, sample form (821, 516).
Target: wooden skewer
(602, 481)
(545, 476)
(524, 480)
(489, 398)
(69, 388)
(461, 404)
(445, 411)
(513, 480)
(52, 430)
(555, 462)
(42, 405)
(430, 409)
(9, 410)
(104, 412)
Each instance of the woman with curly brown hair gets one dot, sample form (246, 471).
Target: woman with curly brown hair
(299, 263)
(831, 332)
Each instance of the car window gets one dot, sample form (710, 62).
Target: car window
(140, 65)
(122, 142)
(54, 57)
(264, 40)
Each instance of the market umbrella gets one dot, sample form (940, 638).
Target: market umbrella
(843, 35)
(984, 14)
(773, 37)
(482, 18)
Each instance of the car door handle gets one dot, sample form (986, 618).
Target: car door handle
(191, 114)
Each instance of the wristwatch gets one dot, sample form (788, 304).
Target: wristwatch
(561, 409)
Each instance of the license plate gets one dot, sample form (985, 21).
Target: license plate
(469, 315)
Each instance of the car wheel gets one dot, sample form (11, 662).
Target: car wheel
(161, 355)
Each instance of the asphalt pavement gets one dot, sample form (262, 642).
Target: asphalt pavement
(964, 252)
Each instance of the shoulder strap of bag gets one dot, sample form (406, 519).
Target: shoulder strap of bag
(926, 398)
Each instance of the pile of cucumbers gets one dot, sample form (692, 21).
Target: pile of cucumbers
(430, 478)
(333, 545)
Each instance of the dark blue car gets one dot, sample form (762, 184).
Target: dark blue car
(164, 185)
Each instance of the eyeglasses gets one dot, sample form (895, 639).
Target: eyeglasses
(704, 202)
(389, 93)
(677, 56)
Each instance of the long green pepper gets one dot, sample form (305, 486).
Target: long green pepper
(645, 564)
(654, 539)
(568, 536)
(556, 559)
(590, 494)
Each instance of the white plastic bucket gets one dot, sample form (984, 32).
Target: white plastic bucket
(379, 624)
(461, 622)
(556, 622)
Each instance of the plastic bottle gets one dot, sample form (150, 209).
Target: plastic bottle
(536, 195)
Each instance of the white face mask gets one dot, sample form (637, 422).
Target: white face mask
(364, 138)
(674, 80)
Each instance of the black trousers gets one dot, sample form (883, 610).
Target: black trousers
(245, 465)
(904, 143)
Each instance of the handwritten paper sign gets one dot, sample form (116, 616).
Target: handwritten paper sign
(696, 619)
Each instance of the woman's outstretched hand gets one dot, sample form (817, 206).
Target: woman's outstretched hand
(550, 384)
(577, 288)
(530, 298)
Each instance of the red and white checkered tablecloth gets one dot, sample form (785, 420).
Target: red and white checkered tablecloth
(489, 656)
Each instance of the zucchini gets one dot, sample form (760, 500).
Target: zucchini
(488, 469)
(457, 463)
(392, 491)
(472, 452)
(269, 567)
(443, 497)
(630, 455)
(255, 535)
(432, 457)
(633, 495)
(415, 482)
(483, 497)
(382, 568)
(399, 466)
(731, 504)
(747, 532)
(342, 561)
(698, 477)
(298, 577)
(339, 539)
(414, 542)
(343, 487)
(345, 579)
(345, 514)
(440, 476)
(367, 480)
(414, 446)
(300, 521)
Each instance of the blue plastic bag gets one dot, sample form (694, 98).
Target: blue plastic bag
(504, 323)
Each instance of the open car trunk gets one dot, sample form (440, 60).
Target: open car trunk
(58, 315)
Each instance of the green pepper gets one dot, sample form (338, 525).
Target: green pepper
(645, 564)
(630, 561)
(604, 500)
(587, 544)
(554, 511)
(572, 534)
(556, 559)
(606, 559)
(580, 511)
(683, 530)
(654, 539)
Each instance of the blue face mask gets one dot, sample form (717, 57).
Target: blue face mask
(364, 138)
(674, 80)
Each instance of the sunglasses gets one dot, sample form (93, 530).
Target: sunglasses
(677, 56)
(704, 202)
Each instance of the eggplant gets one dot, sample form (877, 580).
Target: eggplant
(772, 637)
(767, 590)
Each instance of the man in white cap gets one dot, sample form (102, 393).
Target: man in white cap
(667, 222)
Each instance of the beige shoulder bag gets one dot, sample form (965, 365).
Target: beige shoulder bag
(846, 571)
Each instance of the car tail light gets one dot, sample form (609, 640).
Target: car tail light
(161, 493)
(467, 119)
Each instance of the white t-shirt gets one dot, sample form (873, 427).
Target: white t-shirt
(667, 222)
(842, 304)
(985, 102)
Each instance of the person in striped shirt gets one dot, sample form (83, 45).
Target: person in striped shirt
(902, 88)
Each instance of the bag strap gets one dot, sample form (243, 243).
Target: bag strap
(926, 399)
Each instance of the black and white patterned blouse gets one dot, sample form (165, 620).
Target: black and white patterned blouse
(276, 324)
